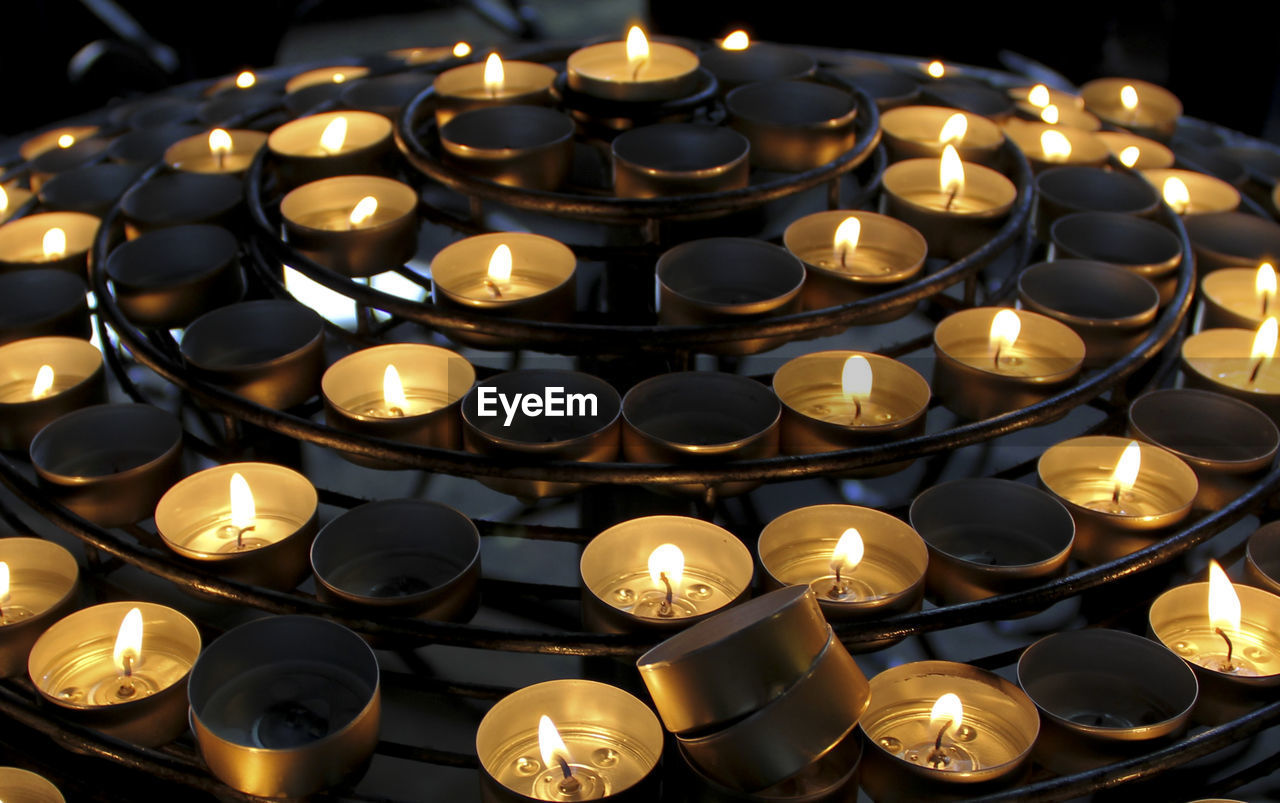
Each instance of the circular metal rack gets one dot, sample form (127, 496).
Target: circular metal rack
(984, 276)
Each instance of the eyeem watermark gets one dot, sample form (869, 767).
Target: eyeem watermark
(553, 403)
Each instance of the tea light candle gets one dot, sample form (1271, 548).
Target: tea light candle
(957, 207)
(39, 583)
(182, 199)
(338, 74)
(793, 125)
(492, 83)
(991, 361)
(1231, 239)
(58, 240)
(661, 573)
(414, 56)
(1135, 152)
(1048, 145)
(679, 159)
(1140, 246)
(1069, 189)
(330, 144)
(1069, 115)
(1123, 494)
(22, 786)
(518, 146)
(1139, 106)
(42, 378)
(57, 161)
(354, 225)
(252, 522)
(915, 132)
(568, 740)
(1216, 360)
(220, 151)
(169, 277)
(12, 200)
(121, 668)
(636, 70)
(736, 60)
(851, 255)
(62, 137)
(38, 303)
(1190, 193)
(1238, 298)
(1040, 96)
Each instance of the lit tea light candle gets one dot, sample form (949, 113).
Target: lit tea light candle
(12, 199)
(935, 69)
(21, 786)
(1136, 152)
(912, 132)
(1238, 297)
(48, 240)
(1237, 362)
(1064, 110)
(42, 378)
(330, 144)
(737, 60)
(636, 70)
(246, 79)
(38, 585)
(413, 56)
(355, 225)
(325, 75)
(1190, 193)
(1140, 106)
(492, 83)
(62, 138)
(1040, 96)
(1048, 145)
(221, 151)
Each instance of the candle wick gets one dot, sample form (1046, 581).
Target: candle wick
(1115, 494)
(493, 288)
(219, 157)
(1253, 375)
(665, 608)
(837, 589)
(126, 662)
(857, 413)
(844, 256)
(395, 411)
(951, 198)
(569, 785)
(240, 531)
(635, 74)
(996, 361)
(937, 757)
(1266, 302)
(1230, 647)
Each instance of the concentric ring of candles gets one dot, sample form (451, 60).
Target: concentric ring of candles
(219, 151)
(635, 70)
(493, 82)
(1190, 193)
(1237, 362)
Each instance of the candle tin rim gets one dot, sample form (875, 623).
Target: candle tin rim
(564, 252)
(1137, 319)
(71, 342)
(956, 319)
(31, 779)
(53, 281)
(172, 617)
(41, 222)
(1149, 451)
(387, 187)
(1091, 222)
(302, 313)
(303, 79)
(254, 141)
(1266, 456)
(906, 372)
(1244, 592)
(518, 445)
(382, 134)
(813, 90)
(723, 132)
(772, 252)
(440, 85)
(153, 416)
(894, 173)
(867, 219)
(987, 132)
(699, 448)
(116, 266)
(463, 150)
(327, 379)
(54, 553)
(1256, 569)
(1156, 176)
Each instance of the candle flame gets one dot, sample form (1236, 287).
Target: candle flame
(846, 238)
(334, 135)
(219, 141)
(461, 50)
(738, 40)
(44, 382)
(338, 77)
(951, 172)
(1129, 155)
(494, 75)
(1224, 603)
(1264, 284)
(935, 69)
(128, 647)
(500, 264)
(1128, 97)
(1049, 114)
(637, 48)
(550, 745)
(4, 582)
(855, 378)
(947, 711)
(1055, 146)
(1005, 327)
(4, 201)
(848, 552)
(954, 129)
(1176, 194)
(1264, 342)
(1038, 96)
(1127, 468)
(54, 243)
(393, 390)
(246, 79)
(243, 510)
(669, 560)
(363, 210)
(66, 141)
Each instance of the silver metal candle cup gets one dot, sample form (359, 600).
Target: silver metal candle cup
(92, 189)
(386, 94)
(679, 159)
(45, 580)
(22, 241)
(22, 786)
(830, 779)
(1150, 152)
(950, 234)
(892, 252)
(795, 729)
(728, 280)
(181, 199)
(48, 140)
(519, 146)
(384, 242)
(600, 71)
(1216, 360)
(1104, 696)
(911, 132)
(298, 158)
(400, 557)
(57, 161)
(109, 463)
(78, 382)
(146, 146)
(1086, 149)
(1064, 190)
(1227, 443)
(169, 277)
(1229, 300)
(461, 89)
(286, 706)
(713, 557)
(736, 662)
(1110, 308)
(990, 536)
(193, 154)
(148, 721)
(40, 303)
(1157, 112)
(354, 382)
(587, 430)
(793, 125)
(889, 90)
(1262, 558)
(1139, 246)
(969, 95)
(270, 352)
(700, 417)
(1078, 471)
(1208, 193)
(760, 61)
(1230, 239)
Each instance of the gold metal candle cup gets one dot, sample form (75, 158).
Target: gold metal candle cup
(911, 132)
(889, 252)
(21, 786)
(461, 89)
(193, 154)
(194, 520)
(109, 463)
(603, 71)
(317, 221)
(57, 161)
(761, 61)
(1001, 719)
(299, 158)
(1104, 696)
(1086, 148)
(591, 717)
(1063, 190)
(1057, 97)
(969, 95)
(1110, 308)
(1231, 239)
(615, 575)
(40, 303)
(542, 285)
(286, 706)
(1208, 194)
(912, 195)
(170, 277)
(1227, 443)
(92, 189)
(797, 728)
(965, 376)
(793, 125)
(889, 90)
(1262, 558)
(736, 662)
(830, 779)
(1229, 300)
(728, 280)
(589, 433)
(1217, 360)
(1151, 154)
(434, 381)
(143, 147)
(271, 352)
(700, 417)
(181, 199)
(679, 159)
(1078, 472)
(796, 550)
(322, 76)
(77, 382)
(18, 198)
(386, 94)
(71, 667)
(375, 560)
(518, 146)
(1139, 246)
(22, 241)
(1156, 114)
(48, 140)
(990, 536)
(44, 585)
(1068, 117)
(817, 417)
(1179, 619)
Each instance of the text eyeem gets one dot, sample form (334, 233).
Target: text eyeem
(553, 403)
